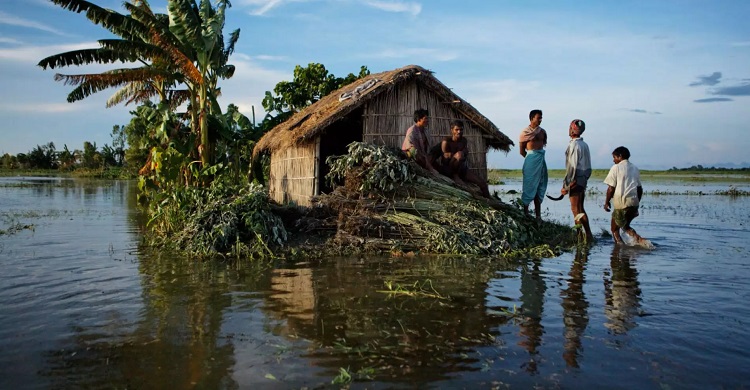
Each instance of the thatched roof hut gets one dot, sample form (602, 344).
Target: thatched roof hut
(375, 109)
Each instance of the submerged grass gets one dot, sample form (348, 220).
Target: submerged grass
(422, 290)
(733, 191)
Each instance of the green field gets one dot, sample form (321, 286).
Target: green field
(718, 175)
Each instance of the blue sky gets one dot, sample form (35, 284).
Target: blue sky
(668, 79)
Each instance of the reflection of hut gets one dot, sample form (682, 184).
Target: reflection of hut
(375, 109)
(293, 289)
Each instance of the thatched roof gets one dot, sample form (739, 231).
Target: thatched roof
(312, 120)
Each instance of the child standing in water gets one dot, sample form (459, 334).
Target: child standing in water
(624, 181)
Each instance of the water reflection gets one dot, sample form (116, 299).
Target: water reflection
(575, 308)
(531, 330)
(621, 290)
(424, 328)
(175, 341)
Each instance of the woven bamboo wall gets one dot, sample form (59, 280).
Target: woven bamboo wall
(388, 116)
(292, 174)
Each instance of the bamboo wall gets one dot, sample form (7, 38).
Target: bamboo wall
(292, 174)
(388, 116)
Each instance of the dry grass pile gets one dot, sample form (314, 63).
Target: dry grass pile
(388, 203)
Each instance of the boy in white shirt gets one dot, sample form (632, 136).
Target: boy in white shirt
(624, 181)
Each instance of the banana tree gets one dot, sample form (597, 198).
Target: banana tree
(185, 48)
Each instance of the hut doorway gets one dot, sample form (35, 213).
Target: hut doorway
(334, 142)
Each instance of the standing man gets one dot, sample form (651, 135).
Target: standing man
(532, 142)
(577, 174)
(416, 144)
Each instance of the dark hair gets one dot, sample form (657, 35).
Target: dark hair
(457, 122)
(419, 114)
(622, 152)
(533, 113)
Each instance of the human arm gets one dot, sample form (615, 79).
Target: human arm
(571, 168)
(640, 193)
(608, 199)
(522, 148)
(407, 144)
(444, 148)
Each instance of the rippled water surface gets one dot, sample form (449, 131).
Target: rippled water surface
(82, 306)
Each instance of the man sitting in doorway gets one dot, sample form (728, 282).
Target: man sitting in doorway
(416, 143)
(452, 161)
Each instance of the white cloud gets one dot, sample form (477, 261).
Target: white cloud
(9, 40)
(13, 20)
(265, 57)
(44, 108)
(263, 6)
(396, 6)
(35, 53)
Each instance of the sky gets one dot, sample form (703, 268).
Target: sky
(669, 79)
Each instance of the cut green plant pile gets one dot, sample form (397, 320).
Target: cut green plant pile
(217, 221)
(387, 203)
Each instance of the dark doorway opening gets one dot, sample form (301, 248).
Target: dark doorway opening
(334, 142)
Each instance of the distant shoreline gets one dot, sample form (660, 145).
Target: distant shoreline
(724, 175)
(493, 175)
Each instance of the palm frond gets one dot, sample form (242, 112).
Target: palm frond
(128, 93)
(186, 24)
(234, 36)
(140, 50)
(86, 57)
(89, 84)
(177, 97)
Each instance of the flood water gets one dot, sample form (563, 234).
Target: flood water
(82, 306)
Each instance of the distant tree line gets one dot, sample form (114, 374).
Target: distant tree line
(709, 169)
(90, 157)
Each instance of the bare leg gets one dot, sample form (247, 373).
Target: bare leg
(579, 213)
(472, 178)
(630, 231)
(538, 208)
(615, 231)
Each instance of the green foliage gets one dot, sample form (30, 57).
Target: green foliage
(701, 168)
(375, 167)
(309, 85)
(343, 377)
(67, 159)
(90, 158)
(220, 220)
(41, 157)
(9, 161)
